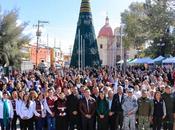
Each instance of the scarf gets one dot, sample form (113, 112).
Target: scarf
(5, 113)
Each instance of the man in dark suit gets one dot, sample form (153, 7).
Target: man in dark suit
(95, 92)
(87, 107)
(117, 107)
(111, 114)
(95, 95)
(73, 111)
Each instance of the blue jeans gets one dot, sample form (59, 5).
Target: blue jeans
(51, 123)
(39, 123)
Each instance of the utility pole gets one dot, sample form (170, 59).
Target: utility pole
(121, 46)
(38, 34)
(48, 54)
(123, 50)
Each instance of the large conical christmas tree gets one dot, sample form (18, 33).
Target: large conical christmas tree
(85, 51)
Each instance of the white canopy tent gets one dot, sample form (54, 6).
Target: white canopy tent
(122, 61)
(133, 61)
(160, 58)
(144, 60)
(169, 61)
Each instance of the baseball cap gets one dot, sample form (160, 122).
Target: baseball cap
(167, 86)
(130, 90)
(144, 91)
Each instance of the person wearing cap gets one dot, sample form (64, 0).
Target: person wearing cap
(6, 111)
(129, 107)
(145, 107)
(168, 97)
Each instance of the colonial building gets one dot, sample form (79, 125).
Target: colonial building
(110, 45)
(106, 45)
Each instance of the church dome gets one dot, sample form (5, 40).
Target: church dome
(106, 30)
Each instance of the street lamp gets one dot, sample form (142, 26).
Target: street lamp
(121, 45)
(123, 49)
(38, 34)
(161, 45)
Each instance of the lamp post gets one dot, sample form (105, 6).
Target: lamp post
(123, 49)
(161, 45)
(38, 34)
(121, 45)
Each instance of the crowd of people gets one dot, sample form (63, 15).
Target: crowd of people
(91, 99)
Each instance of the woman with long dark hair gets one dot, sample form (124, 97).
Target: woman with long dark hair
(18, 105)
(102, 112)
(159, 111)
(26, 113)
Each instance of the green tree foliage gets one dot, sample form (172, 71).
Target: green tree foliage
(160, 17)
(134, 34)
(11, 39)
(151, 21)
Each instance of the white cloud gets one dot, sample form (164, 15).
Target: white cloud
(18, 22)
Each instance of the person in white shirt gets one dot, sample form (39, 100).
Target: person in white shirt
(137, 93)
(18, 105)
(6, 111)
(26, 112)
(116, 84)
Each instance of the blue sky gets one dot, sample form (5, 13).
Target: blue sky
(63, 16)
